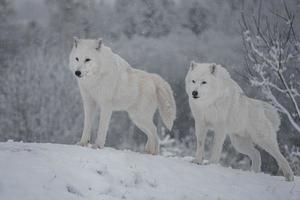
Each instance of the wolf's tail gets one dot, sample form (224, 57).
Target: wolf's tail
(166, 101)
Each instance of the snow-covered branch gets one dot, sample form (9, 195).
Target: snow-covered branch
(271, 52)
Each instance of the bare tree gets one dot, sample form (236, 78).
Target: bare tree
(273, 59)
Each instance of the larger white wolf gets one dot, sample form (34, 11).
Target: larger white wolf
(107, 81)
(218, 103)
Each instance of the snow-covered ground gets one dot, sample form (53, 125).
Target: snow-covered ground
(53, 171)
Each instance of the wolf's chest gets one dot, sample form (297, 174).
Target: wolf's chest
(98, 89)
(214, 115)
(219, 112)
(230, 114)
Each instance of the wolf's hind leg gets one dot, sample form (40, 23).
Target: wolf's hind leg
(145, 123)
(271, 146)
(245, 146)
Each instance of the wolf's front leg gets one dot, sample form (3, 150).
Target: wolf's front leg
(103, 127)
(201, 132)
(217, 147)
(89, 113)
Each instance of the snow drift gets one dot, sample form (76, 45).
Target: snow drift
(53, 171)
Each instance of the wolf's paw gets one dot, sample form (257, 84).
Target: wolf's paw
(153, 151)
(199, 161)
(98, 145)
(83, 143)
(95, 146)
(213, 161)
(152, 148)
(289, 177)
(196, 161)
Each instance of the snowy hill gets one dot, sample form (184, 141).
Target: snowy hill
(53, 171)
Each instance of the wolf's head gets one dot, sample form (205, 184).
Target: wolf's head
(85, 57)
(205, 82)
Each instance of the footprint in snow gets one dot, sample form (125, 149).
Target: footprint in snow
(71, 189)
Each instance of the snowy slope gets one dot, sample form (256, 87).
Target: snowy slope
(62, 172)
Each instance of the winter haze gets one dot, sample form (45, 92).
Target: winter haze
(39, 97)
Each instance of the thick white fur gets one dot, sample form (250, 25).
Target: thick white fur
(108, 82)
(222, 107)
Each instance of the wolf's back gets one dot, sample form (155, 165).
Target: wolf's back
(270, 112)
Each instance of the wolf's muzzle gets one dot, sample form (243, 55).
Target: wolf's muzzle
(195, 94)
(78, 73)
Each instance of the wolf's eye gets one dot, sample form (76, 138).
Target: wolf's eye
(193, 81)
(87, 60)
(204, 82)
(76, 59)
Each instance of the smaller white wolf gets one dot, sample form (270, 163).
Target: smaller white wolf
(107, 81)
(219, 104)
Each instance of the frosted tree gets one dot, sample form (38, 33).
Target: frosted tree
(6, 10)
(8, 33)
(71, 17)
(272, 52)
(148, 18)
(40, 101)
(197, 17)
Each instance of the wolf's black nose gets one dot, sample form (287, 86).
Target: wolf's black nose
(78, 73)
(195, 93)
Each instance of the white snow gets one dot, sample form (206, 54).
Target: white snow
(30, 171)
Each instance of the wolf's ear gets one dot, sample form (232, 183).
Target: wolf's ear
(192, 65)
(75, 41)
(99, 44)
(213, 68)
